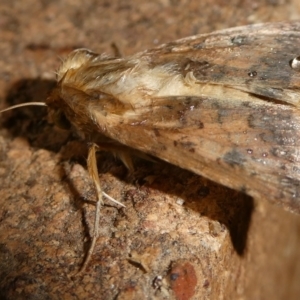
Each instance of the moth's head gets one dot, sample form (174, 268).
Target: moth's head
(56, 105)
(56, 113)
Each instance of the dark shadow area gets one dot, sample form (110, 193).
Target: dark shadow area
(232, 209)
(31, 122)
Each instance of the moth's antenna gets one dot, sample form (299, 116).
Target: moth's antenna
(23, 104)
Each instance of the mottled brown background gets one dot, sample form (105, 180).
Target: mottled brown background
(218, 245)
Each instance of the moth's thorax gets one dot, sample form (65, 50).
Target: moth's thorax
(131, 81)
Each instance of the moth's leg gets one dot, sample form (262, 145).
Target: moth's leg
(93, 171)
(117, 52)
(126, 159)
(123, 153)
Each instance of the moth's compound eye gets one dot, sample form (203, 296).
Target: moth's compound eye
(60, 120)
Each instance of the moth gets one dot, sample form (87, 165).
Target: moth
(224, 105)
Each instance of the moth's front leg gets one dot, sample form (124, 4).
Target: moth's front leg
(93, 172)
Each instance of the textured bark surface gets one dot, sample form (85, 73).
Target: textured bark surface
(180, 235)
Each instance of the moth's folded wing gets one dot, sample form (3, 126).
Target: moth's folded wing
(255, 59)
(251, 146)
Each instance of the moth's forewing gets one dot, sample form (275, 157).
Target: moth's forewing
(251, 147)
